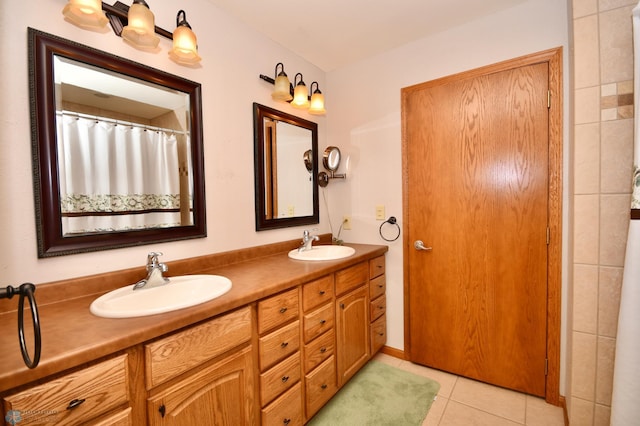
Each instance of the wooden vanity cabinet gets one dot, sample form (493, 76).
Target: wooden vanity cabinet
(378, 305)
(352, 320)
(279, 359)
(95, 395)
(203, 375)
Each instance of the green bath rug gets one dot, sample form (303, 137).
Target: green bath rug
(379, 395)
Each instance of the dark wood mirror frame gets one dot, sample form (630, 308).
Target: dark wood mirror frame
(51, 242)
(260, 112)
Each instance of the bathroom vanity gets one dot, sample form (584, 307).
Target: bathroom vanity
(271, 351)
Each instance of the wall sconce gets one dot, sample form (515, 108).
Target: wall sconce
(331, 162)
(297, 93)
(136, 25)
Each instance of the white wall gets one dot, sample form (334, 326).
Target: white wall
(364, 118)
(233, 57)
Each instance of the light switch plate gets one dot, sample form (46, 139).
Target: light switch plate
(380, 212)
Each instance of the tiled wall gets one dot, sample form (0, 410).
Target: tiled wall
(602, 166)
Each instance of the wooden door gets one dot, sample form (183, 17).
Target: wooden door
(476, 153)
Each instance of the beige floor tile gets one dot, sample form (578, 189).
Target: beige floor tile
(498, 401)
(435, 412)
(457, 414)
(539, 413)
(447, 381)
(388, 359)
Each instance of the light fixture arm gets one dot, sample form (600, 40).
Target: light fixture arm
(118, 18)
(182, 22)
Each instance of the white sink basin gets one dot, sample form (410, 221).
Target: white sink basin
(322, 253)
(181, 292)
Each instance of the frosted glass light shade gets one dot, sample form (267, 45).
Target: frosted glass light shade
(317, 104)
(85, 13)
(185, 46)
(140, 31)
(281, 91)
(300, 97)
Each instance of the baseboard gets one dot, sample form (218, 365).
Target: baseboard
(563, 404)
(397, 353)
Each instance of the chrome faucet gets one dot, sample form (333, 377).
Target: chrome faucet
(154, 273)
(307, 241)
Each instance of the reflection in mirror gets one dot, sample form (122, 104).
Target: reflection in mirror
(118, 150)
(285, 150)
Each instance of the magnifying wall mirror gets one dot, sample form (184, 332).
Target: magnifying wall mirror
(117, 150)
(331, 162)
(285, 153)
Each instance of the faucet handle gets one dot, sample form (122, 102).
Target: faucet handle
(152, 258)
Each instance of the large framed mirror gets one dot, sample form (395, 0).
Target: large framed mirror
(286, 169)
(117, 150)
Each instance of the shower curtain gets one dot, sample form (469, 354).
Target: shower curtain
(114, 177)
(625, 401)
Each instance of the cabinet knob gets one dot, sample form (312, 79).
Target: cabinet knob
(75, 403)
(324, 386)
(283, 310)
(285, 379)
(284, 344)
(286, 421)
(323, 322)
(322, 292)
(162, 410)
(323, 350)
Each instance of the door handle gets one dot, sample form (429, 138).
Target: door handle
(419, 245)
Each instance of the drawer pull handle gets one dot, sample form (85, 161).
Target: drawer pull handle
(284, 344)
(323, 322)
(75, 403)
(285, 379)
(283, 310)
(286, 421)
(322, 292)
(323, 350)
(162, 410)
(342, 305)
(380, 286)
(380, 334)
(324, 386)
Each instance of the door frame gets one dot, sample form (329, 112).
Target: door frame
(553, 57)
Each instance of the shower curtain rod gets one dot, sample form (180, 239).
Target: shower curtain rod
(120, 122)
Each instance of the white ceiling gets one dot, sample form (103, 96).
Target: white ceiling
(332, 33)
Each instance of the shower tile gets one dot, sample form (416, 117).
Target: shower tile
(609, 300)
(584, 7)
(587, 105)
(586, 52)
(587, 159)
(625, 87)
(613, 4)
(616, 156)
(625, 111)
(582, 412)
(616, 53)
(609, 114)
(585, 298)
(583, 376)
(586, 220)
(602, 416)
(604, 371)
(614, 227)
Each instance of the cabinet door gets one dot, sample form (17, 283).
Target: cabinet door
(221, 394)
(352, 329)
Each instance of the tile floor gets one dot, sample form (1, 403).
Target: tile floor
(462, 401)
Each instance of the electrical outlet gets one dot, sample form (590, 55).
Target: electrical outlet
(380, 212)
(291, 211)
(346, 222)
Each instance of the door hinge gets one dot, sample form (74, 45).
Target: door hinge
(548, 99)
(548, 235)
(546, 366)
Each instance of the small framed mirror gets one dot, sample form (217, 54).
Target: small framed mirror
(117, 150)
(285, 153)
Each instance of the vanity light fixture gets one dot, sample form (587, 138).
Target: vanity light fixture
(136, 25)
(300, 97)
(140, 30)
(185, 43)
(284, 91)
(87, 14)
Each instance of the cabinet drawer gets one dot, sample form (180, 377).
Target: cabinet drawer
(279, 344)
(376, 267)
(121, 418)
(277, 310)
(182, 351)
(320, 386)
(317, 293)
(278, 379)
(318, 322)
(352, 277)
(286, 410)
(378, 334)
(378, 307)
(319, 350)
(377, 286)
(101, 387)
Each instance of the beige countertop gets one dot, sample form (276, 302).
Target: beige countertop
(72, 336)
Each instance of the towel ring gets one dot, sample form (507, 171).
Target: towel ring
(392, 221)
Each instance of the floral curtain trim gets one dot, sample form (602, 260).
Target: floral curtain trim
(635, 196)
(113, 203)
